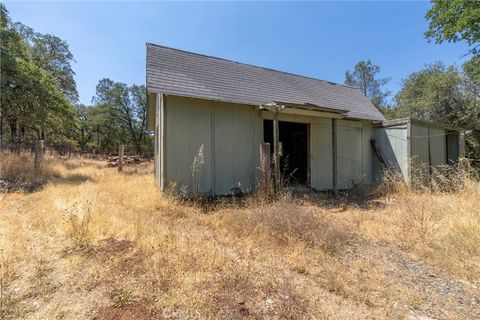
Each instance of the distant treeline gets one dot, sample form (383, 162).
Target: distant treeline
(39, 99)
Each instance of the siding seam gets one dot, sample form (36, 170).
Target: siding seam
(212, 138)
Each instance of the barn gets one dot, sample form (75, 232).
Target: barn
(212, 116)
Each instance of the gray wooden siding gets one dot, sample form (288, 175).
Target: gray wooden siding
(354, 154)
(368, 153)
(414, 152)
(429, 147)
(188, 127)
(321, 158)
(452, 147)
(428, 144)
(159, 137)
(438, 146)
(231, 135)
(236, 142)
(156, 158)
(393, 142)
(419, 144)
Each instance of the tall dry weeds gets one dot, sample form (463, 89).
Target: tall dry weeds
(20, 167)
(438, 221)
(285, 222)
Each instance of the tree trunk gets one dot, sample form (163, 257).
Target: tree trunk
(21, 137)
(38, 155)
(13, 134)
(1, 131)
(43, 138)
(98, 137)
(138, 148)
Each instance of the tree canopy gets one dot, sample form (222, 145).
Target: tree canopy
(455, 20)
(442, 94)
(126, 106)
(31, 95)
(39, 97)
(365, 76)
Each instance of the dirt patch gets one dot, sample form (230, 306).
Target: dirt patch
(239, 292)
(444, 296)
(132, 265)
(105, 248)
(137, 311)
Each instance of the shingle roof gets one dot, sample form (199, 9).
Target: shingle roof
(177, 72)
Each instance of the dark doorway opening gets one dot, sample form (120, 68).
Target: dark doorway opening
(294, 139)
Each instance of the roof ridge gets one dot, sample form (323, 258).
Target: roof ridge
(252, 65)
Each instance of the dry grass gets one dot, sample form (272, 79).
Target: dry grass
(95, 243)
(18, 168)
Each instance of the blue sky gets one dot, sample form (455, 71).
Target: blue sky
(320, 40)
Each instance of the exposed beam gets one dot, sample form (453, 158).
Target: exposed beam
(275, 108)
(276, 154)
(160, 106)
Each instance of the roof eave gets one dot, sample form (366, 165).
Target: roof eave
(403, 121)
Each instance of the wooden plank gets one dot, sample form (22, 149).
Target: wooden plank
(429, 142)
(409, 152)
(160, 106)
(121, 150)
(379, 153)
(265, 165)
(38, 155)
(276, 151)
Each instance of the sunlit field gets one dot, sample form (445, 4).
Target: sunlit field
(79, 240)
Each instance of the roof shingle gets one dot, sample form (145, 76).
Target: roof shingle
(176, 72)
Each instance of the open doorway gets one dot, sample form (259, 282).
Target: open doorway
(294, 139)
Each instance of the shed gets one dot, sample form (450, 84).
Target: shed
(216, 106)
(211, 117)
(413, 146)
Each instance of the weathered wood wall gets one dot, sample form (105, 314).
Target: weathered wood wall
(231, 135)
(412, 148)
(393, 143)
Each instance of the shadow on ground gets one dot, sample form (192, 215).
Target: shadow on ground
(343, 201)
(37, 184)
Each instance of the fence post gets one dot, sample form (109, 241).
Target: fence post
(265, 166)
(38, 155)
(120, 157)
